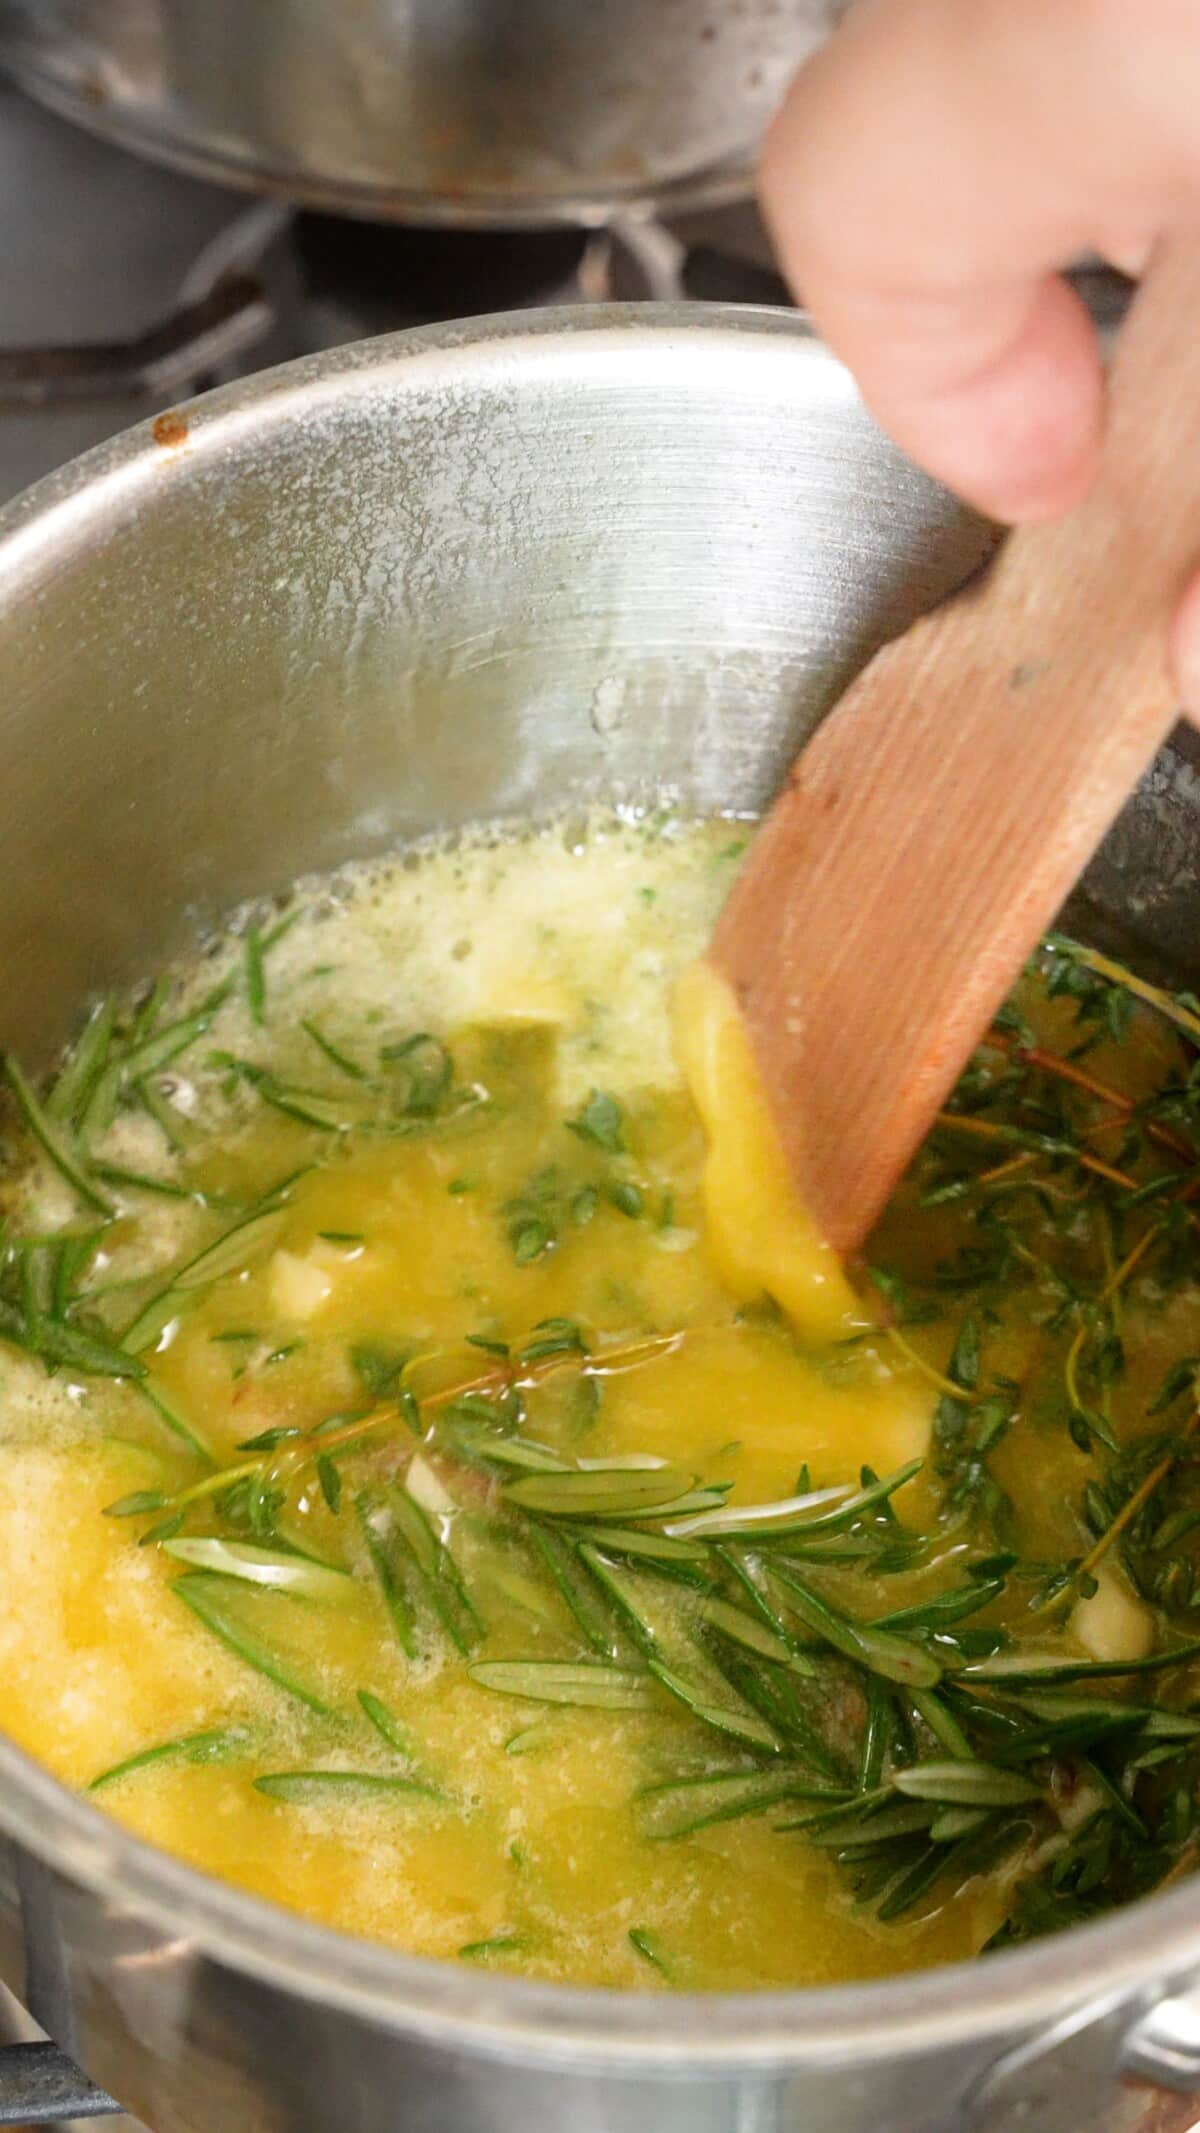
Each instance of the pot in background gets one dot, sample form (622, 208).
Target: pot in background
(498, 569)
(459, 111)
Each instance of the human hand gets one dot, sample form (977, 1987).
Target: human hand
(931, 171)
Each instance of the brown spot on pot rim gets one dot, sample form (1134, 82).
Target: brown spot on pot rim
(170, 429)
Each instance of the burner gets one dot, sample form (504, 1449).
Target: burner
(383, 276)
(714, 276)
(345, 279)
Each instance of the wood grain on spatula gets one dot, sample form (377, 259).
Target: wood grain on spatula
(933, 826)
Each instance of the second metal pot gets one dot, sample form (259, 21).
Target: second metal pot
(460, 111)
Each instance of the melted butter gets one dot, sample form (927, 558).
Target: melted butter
(761, 1238)
(549, 970)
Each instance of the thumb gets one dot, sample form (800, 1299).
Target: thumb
(997, 391)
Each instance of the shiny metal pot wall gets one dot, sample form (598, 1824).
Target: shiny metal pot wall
(460, 110)
(483, 571)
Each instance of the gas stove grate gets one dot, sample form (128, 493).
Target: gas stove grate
(39, 2086)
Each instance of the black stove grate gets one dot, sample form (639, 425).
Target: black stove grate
(39, 2086)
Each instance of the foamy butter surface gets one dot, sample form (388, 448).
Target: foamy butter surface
(556, 1181)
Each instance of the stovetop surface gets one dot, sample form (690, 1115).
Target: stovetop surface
(99, 247)
(93, 247)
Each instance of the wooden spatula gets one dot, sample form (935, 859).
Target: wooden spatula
(935, 822)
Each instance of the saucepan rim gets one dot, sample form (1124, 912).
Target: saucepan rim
(512, 2018)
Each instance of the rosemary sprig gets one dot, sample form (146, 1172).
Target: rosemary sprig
(389, 1729)
(45, 1133)
(207, 1595)
(228, 1254)
(269, 1568)
(211, 1744)
(588, 1682)
(67, 1096)
(325, 1788)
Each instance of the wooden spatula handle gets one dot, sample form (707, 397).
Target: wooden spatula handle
(940, 815)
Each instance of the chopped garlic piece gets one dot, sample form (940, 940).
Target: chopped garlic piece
(1113, 1623)
(299, 1287)
(425, 1487)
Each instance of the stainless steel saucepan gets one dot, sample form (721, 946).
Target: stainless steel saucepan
(488, 570)
(460, 111)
